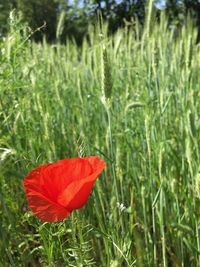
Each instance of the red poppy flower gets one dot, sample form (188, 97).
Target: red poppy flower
(54, 190)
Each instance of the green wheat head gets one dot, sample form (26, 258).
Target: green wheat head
(107, 76)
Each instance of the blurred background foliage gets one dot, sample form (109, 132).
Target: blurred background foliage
(75, 16)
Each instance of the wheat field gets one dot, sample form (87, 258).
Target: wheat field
(131, 98)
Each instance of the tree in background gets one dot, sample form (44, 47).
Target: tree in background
(76, 15)
(175, 11)
(193, 7)
(75, 19)
(116, 12)
(38, 13)
(178, 11)
(5, 7)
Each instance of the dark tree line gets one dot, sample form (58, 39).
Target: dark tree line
(77, 14)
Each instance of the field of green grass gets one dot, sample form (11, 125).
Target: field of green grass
(134, 100)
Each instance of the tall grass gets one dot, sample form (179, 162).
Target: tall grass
(144, 210)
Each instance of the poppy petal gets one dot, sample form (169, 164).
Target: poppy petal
(77, 193)
(45, 209)
(60, 174)
(41, 206)
(33, 180)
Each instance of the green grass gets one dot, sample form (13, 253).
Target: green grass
(52, 106)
